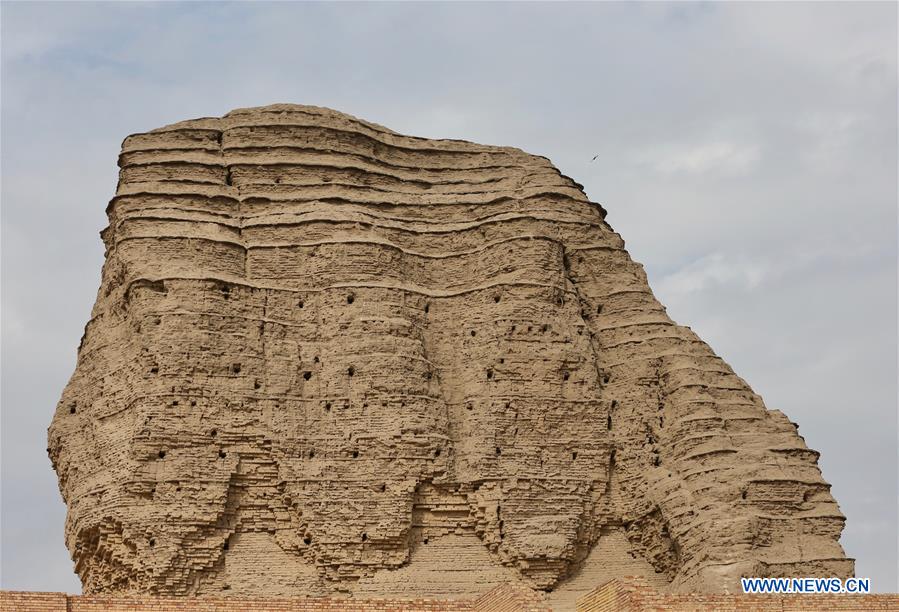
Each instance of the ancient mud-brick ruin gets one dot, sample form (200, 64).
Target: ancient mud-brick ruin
(326, 358)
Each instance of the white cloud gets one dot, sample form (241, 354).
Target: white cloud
(830, 138)
(718, 269)
(720, 157)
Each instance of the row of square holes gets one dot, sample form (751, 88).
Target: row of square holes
(350, 298)
(437, 452)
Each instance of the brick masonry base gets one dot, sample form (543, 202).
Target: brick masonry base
(619, 595)
(635, 595)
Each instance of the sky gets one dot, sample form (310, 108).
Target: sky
(747, 155)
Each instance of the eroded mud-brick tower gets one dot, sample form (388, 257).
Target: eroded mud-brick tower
(329, 358)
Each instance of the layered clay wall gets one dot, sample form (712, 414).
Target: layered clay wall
(326, 358)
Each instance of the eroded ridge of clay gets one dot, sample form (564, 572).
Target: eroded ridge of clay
(329, 358)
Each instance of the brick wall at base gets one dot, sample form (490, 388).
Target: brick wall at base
(619, 595)
(13, 601)
(16, 601)
(504, 598)
(635, 595)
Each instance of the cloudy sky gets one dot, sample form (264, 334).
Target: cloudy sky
(747, 154)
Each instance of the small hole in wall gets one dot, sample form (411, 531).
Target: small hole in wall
(162, 454)
(427, 308)
(154, 370)
(193, 402)
(152, 542)
(499, 451)
(599, 309)
(560, 301)
(606, 378)
(544, 328)
(429, 375)
(657, 460)
(502, 360)
(609, 422)
(661, 421)
(307, 375)
(235, 367)
(425, 541)
(566, 375)
(327, 406)
(177, 489)
(277, 181)
(315, 360)
(364, 537)
(489, 374)
(301, 304)
(174, 402)
(469, 407)
(383, 487)
(307, 540)
(496, 299)
(226, 587)
(574, 455)
(226, 545)
(214, 433)
(437, 452)
(614, 404)
(350, 298)
(355, 454)
(473, 333)
(257, 384)
(351, 371)
(743, 495)
(72, 409)
(222, 454)
(312, 454)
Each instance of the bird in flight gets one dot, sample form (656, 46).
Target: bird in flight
(594, 158)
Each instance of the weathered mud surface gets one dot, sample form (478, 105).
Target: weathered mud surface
(326, 357)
